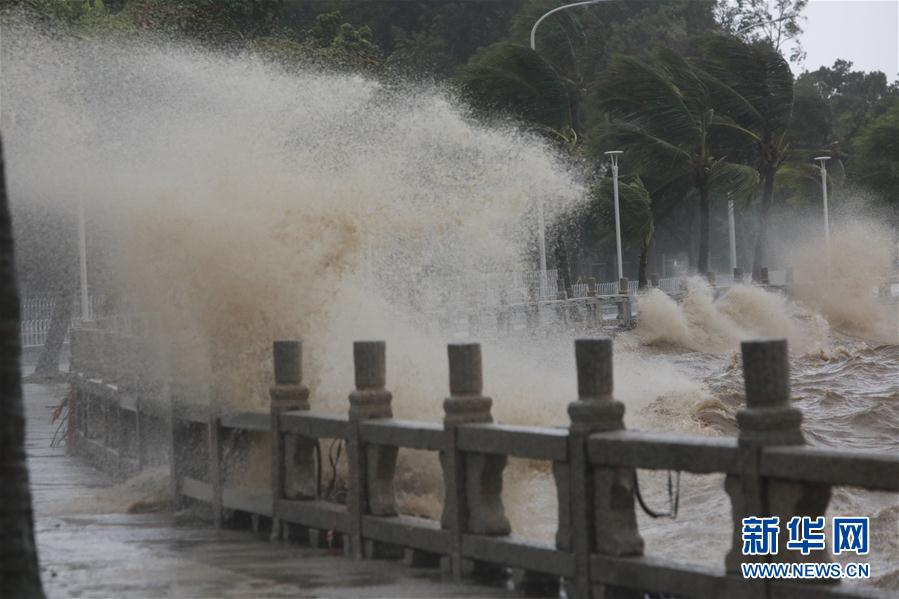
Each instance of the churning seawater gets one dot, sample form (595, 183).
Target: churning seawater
(234, 202)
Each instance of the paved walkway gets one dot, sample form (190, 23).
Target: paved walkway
(89, 548)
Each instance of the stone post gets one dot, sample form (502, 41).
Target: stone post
(596, 505)
(372, 467)
(789, 276)
(738, 276)
(623, 303)
(654, 280)
(764, 276)
(710, 277)
(293, 457)
(768, 419)
(473, 483)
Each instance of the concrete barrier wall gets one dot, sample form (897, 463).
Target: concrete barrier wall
(121, 414)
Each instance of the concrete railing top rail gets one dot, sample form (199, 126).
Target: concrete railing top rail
(598, 550)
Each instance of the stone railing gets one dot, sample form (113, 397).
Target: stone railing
(122, 419)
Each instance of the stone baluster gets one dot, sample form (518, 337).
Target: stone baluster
(473, 482)
(293, 457)
(768, 420)
(596, 504)
(371, 467)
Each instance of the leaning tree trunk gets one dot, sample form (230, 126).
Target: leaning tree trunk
(562, 266)
(19, 574)
(641, 273)
(704, 227)
(48, 362)
(760, 255)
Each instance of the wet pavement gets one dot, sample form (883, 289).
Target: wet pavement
(88, 550)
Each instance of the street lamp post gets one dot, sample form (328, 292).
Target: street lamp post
(82, 259)
(613, 156)
(822, 160)
(732, 233)
(541, 243)
(541, 224)
(555, 10)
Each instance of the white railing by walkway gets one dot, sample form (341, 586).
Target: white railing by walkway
(37, 315)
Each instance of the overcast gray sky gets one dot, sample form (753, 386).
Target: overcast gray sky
(863, 31)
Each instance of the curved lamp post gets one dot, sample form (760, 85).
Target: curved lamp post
(555, 10)
(541, 224)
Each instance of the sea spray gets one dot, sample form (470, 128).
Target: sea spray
(841, 281)
(702, 322)
(246, 203)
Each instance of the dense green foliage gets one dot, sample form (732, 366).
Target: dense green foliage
(876, 149)
(662, 111)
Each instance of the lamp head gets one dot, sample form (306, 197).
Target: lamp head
(613, 156)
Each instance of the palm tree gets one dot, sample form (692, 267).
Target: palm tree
(661, 111)
(513, 79)
(753, 85)
(19, 574)
(635, 207)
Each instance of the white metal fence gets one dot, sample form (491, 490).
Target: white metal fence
(504, 288)
(37, 315)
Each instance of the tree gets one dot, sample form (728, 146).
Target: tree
(774, 23)
(875, 161)
(331, 43)
(635, 206)
(661, 112)
(579, 42)
(19, 573)
(512, 79)
(444, 35)
(752, 87)
(811, 126)
(854, 98)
